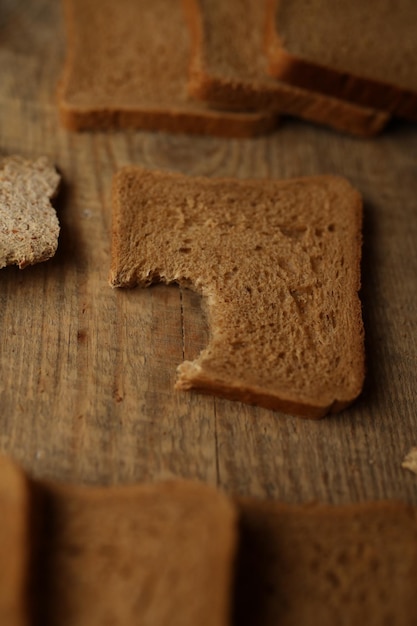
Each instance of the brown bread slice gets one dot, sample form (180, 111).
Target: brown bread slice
(29, 226)
(278, 263)
(15, 545)
(360, 51)
(154, 555)
(127, 65)
(318, 564)
(229, 69)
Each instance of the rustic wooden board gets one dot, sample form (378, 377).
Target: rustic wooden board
(87, 372)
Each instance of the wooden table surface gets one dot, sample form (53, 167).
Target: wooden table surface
(87, 372)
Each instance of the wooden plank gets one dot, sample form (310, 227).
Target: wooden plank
(87, 372)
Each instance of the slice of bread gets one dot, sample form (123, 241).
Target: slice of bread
(15, 545)
(360, 52)
(318, 564)
(155, 555)
(181, 553)
(229, 69)
(126, 67)
(278, 263)
(29, 226)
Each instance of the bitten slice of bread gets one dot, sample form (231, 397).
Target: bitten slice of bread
(229, 69)
(14, 545)
(318, 564)
(154, 555)
(278, 263)
(360, 51)
(127, 65)
(29, 226)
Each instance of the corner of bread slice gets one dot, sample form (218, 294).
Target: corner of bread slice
(69, 116)
(281, 63)
(278, 60)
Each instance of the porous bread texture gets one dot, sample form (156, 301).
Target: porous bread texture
(229, 69)
(155, 555)
(278, 263)
(126, 67)
(14, 544)
(29, 227)
(323, 564)
(355, 50)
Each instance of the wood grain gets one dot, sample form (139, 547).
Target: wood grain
(87, 372)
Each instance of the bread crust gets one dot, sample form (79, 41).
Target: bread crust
(203, 384)
(15, 544)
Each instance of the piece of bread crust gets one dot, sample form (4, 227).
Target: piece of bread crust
(15, 545)
(278, 264)
(29, 227)
(154, 554)
(323, 564)
(126, 67)
(229, 70)
(361, 53)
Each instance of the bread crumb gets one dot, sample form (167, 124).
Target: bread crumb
(410, 460)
